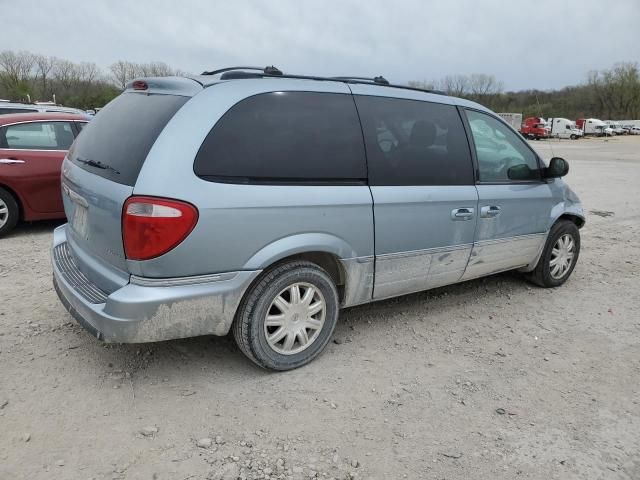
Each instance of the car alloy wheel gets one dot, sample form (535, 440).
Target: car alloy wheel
(562, 256)
(295, 318)
(4, 213)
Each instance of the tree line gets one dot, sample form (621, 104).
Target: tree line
(608, 94)
(611, 94)
(28, 77)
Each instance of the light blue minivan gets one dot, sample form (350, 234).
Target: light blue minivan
(254, 201)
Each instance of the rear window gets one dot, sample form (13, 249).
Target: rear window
(122, 135)
(286, 137)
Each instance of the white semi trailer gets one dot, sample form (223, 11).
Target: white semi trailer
(564, 128)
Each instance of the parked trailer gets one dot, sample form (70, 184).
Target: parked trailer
(564, 128)
(513, 119)
(594, 126)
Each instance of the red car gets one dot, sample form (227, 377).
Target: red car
(32, 148)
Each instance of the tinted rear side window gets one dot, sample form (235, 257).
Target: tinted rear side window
(121, 136)
(285, 136)
(412, 142)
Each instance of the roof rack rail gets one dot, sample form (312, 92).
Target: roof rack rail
(230, 73)
(266, 70)
(380, 80)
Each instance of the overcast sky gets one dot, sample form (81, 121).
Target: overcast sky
(537, 43)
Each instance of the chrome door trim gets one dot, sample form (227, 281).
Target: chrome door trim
(509, 239)
(413, 271)
(426, 251)
(10, 161)
(532, 264)
(359, 275)
(34, 149)
(502, 254)
(44, 120)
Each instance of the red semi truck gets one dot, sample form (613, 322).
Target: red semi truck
(535, 128)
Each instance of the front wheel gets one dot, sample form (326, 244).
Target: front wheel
(288, 316)
(573, 136)
(559, 256)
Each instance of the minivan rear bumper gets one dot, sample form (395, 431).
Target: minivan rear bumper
(145, 309)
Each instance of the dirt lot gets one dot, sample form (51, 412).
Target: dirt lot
(490, 379)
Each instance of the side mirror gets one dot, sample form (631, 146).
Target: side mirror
(558, 167)
(521, 172)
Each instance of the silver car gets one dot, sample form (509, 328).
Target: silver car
(261, 203)
(10, 107)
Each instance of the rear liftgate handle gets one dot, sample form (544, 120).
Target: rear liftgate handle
(465, 213)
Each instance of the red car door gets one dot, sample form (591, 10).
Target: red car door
(31, 164)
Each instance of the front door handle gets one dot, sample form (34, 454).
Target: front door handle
(490, 211)
(10, 161)
(464, 213)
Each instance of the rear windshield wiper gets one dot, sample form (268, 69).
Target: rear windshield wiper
(97, 164)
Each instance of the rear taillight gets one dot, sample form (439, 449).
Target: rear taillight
(153, 226)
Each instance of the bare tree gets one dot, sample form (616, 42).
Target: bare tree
(16, 69)
(154, 69)
(44, 65)
(456, 85)
(481, 84)
(122, 71)
(87, 72)
(617, 90)
(424, 85)
(65, 73)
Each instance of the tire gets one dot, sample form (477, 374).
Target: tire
(543, 274)
(9, 212)
(573, 136)
(281, 282)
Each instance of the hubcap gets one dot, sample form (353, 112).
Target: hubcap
(562, 256)
(295, 318)
(4, 213)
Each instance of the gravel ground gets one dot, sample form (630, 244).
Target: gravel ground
(489, 379)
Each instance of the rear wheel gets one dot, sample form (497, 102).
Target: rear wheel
(9, 212)
(559, 256)
(287, 317)
(573, 136)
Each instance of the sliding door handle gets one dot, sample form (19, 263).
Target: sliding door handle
(464, 213)
(490, 211)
